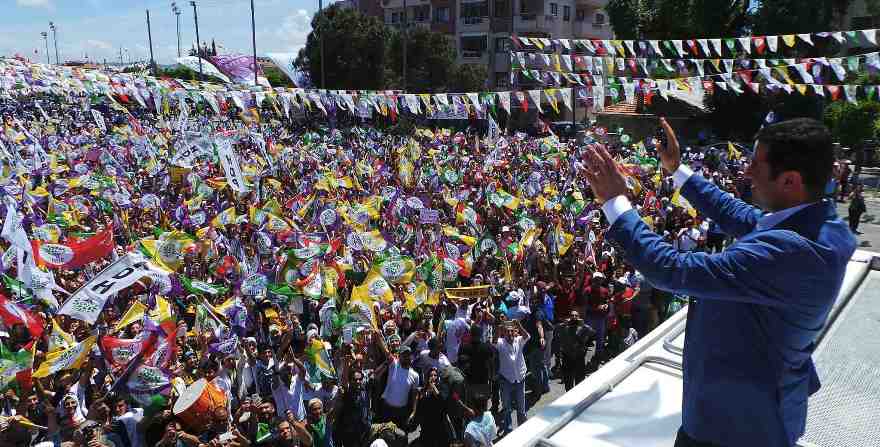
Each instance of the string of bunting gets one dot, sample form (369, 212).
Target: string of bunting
(695, 47)
(605, 64)
(810, 71)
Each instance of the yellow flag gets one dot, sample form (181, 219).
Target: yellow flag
(225, 217)
(788, 39)
(732, 152)
(678, 200)
(70, 358)
(58, 339)
(134, 313)
(563, 240)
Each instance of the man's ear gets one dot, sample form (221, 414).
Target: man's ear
(791, 181)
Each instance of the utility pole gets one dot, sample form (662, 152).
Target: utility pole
(321, 37)
(405, 42)
(254, 42)
(121, 60)
(150, 37)
(511, 74)
(176, 12)
(55, 38)
(198, 39)
(45, 37)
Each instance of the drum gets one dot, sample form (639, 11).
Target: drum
(195, 407)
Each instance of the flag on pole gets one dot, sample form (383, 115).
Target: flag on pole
(71, 358)
(12, 314)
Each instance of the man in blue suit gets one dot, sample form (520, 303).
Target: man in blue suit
(758, 306)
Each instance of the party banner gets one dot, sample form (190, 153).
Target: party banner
(77, 253)
(192, 62)
(239, 68)
(87, 302)
(194, 148)
(231, 166)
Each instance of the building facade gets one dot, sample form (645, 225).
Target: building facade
(481, 29)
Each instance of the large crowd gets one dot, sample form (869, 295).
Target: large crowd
(365, 284)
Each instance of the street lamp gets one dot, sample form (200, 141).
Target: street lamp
(45, 37)
(55, 38)
(198, 39)
(176, 12)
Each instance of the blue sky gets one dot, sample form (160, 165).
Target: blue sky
(100, 28)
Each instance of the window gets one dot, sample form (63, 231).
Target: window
(502, 79)
(473, 46)
(395, 17)
(566, 13)
(554, 9)
(502, 44)
(523, 8)
(600, 19)
(580, 15)
(441, 14)
(474, 10)
(422, 13)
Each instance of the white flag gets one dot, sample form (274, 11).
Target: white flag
(231, 166)
(88, 302)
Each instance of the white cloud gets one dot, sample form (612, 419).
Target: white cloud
(35, 3)
(292, 34)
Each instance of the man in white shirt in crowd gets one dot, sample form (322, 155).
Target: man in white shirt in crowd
(512, 369)
(400, 390)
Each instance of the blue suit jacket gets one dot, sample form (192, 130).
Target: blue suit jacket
(757, 310)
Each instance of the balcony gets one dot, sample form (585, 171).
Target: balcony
(592, 3)
(472, 24)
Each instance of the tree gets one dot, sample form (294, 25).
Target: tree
(430, 60)
(851, 124)
(354, 46)
(277, 78)
(676, 19)
(468, 78)
(797, 16)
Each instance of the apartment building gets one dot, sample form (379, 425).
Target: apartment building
(481, 29)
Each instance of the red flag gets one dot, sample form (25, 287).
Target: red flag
(760, 44)
(119, 351)
(12, 314)
(75, 254)
(835, 92)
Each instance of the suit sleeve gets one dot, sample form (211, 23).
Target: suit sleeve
(747, 272)
(734, 216)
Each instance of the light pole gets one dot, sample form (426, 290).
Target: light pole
(150, 37)
(254, 41)
(45, 37)
(198, 39)
(55, 38)
(405, 42)
(176, 12)
(321, 37)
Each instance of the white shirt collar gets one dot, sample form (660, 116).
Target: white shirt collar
(770, 220)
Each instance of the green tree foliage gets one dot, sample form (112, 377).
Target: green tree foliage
(430, 60)
(354, 46)
(468, 78)
(797, 16)
(277, 78)
(676, 19)
(851, 124)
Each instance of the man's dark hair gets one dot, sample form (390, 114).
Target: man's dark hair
(802, 145)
